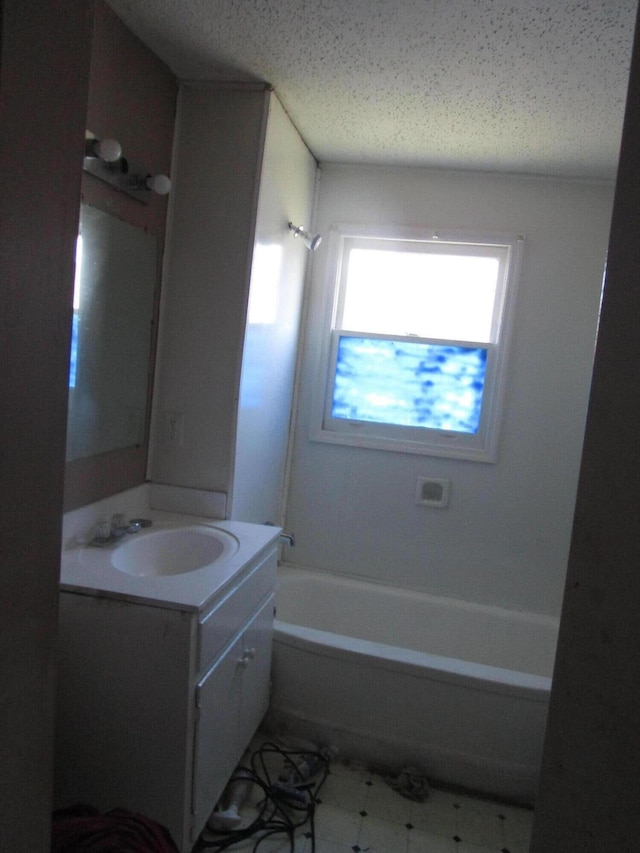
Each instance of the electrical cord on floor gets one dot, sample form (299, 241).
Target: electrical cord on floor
(288, 801)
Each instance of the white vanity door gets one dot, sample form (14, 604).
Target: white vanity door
(218, 745)
(256, 682)
(231, 700)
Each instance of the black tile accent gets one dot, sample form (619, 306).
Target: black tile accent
(505, 850)
(368, 783)
(409, 825)
(456, 805)
(501, 817)
(363, 813)
(457, 839)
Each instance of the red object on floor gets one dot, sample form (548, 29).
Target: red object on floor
(84, 829)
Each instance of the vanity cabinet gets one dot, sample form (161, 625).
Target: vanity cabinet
(157, 703)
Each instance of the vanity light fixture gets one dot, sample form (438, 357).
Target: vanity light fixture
(103, 159)
(108, 150)
(311, 241)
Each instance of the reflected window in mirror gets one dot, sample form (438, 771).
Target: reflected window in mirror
(73, 358)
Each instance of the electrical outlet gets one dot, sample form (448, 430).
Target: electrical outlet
(174, 429)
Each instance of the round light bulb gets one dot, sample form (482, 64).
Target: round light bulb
(108, 150)
(160, 184)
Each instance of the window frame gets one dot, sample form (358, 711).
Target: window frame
(481, 446)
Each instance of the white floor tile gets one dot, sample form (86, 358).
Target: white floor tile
(466, 847)
(518, 824)
(382, 836)
(427, 842)
(385, 804)
(324, 847)
(517, 813)
(517, 837)
(344, 790)
(480, 828)
(435, 817)
(336, 824)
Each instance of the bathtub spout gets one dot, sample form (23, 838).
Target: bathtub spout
(284, 538)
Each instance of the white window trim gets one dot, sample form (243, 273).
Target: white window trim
(481, 447)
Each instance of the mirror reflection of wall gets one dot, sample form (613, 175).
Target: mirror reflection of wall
(117, 273)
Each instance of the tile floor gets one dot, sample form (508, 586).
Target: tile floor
(359, 813)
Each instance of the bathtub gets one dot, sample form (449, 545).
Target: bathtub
(395, 679)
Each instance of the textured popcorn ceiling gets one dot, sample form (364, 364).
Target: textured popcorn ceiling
(509, 85)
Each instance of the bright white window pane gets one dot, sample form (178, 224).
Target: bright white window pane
(444, 296)
(434, 386)
(77, 282)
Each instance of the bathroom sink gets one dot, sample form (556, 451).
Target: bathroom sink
(173, 551)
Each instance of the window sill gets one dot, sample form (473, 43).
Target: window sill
(449, 445)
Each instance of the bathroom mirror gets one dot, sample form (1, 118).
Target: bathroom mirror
(113, 336)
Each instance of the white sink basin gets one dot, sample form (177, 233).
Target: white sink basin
(173, 551)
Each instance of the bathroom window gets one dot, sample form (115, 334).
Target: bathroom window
(415, 341)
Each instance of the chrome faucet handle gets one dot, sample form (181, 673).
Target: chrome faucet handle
(102, 530)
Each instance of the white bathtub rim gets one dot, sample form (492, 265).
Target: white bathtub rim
(535, 688)
(545, 620)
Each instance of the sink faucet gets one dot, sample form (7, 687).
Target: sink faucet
(107, 533)
(119, 526)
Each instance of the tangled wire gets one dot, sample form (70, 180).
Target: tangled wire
(287, 803)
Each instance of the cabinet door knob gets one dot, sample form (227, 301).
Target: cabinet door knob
(247, 655)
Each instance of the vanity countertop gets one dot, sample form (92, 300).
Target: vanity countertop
(88, 570)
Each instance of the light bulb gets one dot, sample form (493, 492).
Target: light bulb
(311, 241)
(160, 184)
(108, 150)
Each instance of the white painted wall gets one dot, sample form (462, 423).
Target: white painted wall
(273, 322)
(504, 537)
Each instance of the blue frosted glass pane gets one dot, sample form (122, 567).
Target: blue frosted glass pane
(435, 386)
(73, 360)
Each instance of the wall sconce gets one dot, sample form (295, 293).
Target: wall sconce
(311, 241)
(103, 159)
